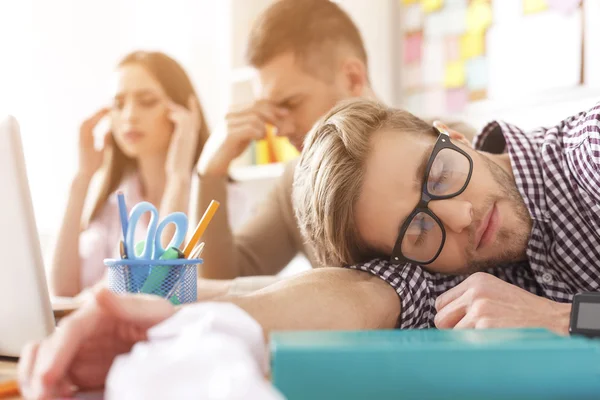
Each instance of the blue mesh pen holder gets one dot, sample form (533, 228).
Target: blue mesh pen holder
(175, 280)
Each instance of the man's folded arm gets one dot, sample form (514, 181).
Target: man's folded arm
(324, 298)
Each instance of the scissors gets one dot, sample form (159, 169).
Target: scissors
(153, 248)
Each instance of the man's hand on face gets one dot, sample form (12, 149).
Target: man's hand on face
(484, 301)
(79, 354)
(243, 125)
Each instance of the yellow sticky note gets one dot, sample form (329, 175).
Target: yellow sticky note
(534, 6)
(431, 5)
(479, 15)
(455, 76)
(471, 45)
(408, 2)
(285, 150)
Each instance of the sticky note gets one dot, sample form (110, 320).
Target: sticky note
(564, 6)
(471, 45)
(408, 2)
(412, 48)
(452, 48)
(285, 150)
(479, 15)
(477, 95)
(476, 70)
(432, 5)
(455, 75)
(412, 18)
(456, 100)
(433, 62)
(534, 6)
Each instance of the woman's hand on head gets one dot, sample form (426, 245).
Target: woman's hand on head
(90, 158)
(182, 150)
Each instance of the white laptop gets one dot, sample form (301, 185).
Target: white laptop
(25, 309)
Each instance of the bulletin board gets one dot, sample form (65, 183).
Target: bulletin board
(456, 52)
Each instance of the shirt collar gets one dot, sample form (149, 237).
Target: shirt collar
(499, 137)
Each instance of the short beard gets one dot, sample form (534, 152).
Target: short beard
(512, 242)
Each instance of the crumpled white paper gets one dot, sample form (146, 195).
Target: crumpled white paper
(205, 351)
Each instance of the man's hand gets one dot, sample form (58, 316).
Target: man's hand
(484, 301)
(244, 124)
(81, 351)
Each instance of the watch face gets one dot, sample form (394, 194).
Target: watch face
(588, 316)
(585, 315)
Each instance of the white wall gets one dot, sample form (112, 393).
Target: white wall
(376, 21)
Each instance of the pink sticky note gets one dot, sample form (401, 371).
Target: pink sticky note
(564, 6)
(452, 48)
(456, 99)
(412, 48)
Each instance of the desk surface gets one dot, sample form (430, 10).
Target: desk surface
(9, 368)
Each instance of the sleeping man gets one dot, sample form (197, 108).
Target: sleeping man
(384, 192)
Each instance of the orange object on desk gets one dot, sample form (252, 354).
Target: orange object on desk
(9, 389)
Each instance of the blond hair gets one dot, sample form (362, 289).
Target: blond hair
(330, 173)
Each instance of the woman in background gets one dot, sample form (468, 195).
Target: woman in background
(157, 133)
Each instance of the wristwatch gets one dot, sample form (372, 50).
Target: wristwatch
(585, 315)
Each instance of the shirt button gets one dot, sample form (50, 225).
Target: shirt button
(547, 277)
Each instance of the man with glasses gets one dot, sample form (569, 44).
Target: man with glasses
(502, 234)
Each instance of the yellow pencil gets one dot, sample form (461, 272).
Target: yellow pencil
(272, 143)
(204, 221)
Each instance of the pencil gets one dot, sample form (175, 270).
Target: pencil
(272, 143)
(9, 389)
(204, 221)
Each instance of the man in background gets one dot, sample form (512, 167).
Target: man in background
(309, 55)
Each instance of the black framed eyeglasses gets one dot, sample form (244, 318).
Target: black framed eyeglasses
(448, 172)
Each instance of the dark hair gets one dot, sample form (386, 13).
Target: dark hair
(178, 86)
(304, 27)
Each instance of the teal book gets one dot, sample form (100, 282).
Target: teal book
(435, 364)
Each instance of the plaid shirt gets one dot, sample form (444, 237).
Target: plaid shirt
(557, 172)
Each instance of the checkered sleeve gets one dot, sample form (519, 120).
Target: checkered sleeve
(582, 146)
(409, 282)
(416, 288)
